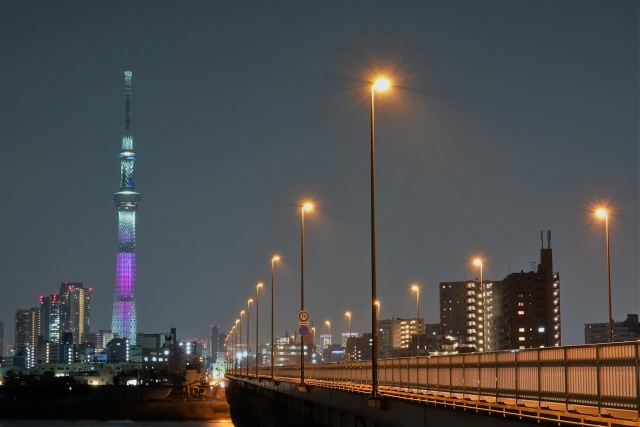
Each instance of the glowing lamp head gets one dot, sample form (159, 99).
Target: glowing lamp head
(415, 288)
(326, 322)
(381, 84)
(377, 303)
(275, 258)
(259, 284)
(601, 213)
(250, 300)
(307, 207)
(348, 314)
(477, 262)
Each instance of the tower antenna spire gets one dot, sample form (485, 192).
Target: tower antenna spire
(127, 102)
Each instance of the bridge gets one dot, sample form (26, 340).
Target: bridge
(587, 385)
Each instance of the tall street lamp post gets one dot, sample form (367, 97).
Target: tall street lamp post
(348, 314)
(241, 345)
(379, 85)
(274, 258)
(602, 213)
(249, 301)
(416, 289)
(377, 303)
(478, 262)
(303, 208)
(258, 286)
(235, 353)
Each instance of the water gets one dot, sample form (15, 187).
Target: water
(89, 423)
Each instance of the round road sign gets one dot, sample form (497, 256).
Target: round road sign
(304, 330)
(303, 316)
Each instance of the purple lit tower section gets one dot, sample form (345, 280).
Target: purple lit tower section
(127, 199)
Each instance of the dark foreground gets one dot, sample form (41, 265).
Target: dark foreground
(108, 403)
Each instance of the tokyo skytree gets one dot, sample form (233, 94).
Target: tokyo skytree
(124, 304)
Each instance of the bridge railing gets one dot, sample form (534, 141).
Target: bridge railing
(602, 375)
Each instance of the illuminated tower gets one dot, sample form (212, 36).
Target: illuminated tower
(127, 199)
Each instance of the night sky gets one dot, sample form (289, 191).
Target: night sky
(505, 119)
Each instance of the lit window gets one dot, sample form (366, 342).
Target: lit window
(520, 329)
(541, 329)
(520, 338)
(520, 313)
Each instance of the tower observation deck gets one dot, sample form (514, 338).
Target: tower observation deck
(124, 304)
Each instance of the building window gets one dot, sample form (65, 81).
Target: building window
(520, 338)
(520, 313)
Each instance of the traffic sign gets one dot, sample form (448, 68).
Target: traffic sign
(303, 315)
(303, 323)
(303, 330)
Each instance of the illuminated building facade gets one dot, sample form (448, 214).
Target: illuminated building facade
(75, 310)
(124, 305)
(628, 330)
(466, 311)
(528, 313)
(215, 343)
(50, 308)
(397, 334)
(1, 337)
(98, 340)
(520, 311)
(27, 330)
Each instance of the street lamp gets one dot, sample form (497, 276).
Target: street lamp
(416, 289)
(602, 213)
(348, 314)
(381, 85)
(249, 301)
(235, 355)
(258, 286)
(305, 207)
(274, 258)
(478, 262)
(240, 333)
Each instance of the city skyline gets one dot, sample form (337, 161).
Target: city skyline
(503, 120)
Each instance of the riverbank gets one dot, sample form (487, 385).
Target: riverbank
(110, 403)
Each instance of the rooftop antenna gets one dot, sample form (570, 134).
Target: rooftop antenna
(549, 239)
(542, 239)
(533, 265)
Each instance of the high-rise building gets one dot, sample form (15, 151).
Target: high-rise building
(126, 199)
(75, 309)
(50, 307)
(325, 342)
(466, 311)
(627, 330)
(27, 329)
(396, 334)
(527, 314)
(520, 311)
(215, 342)
(98, 340)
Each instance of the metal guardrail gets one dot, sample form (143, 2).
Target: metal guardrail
(601, 375)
